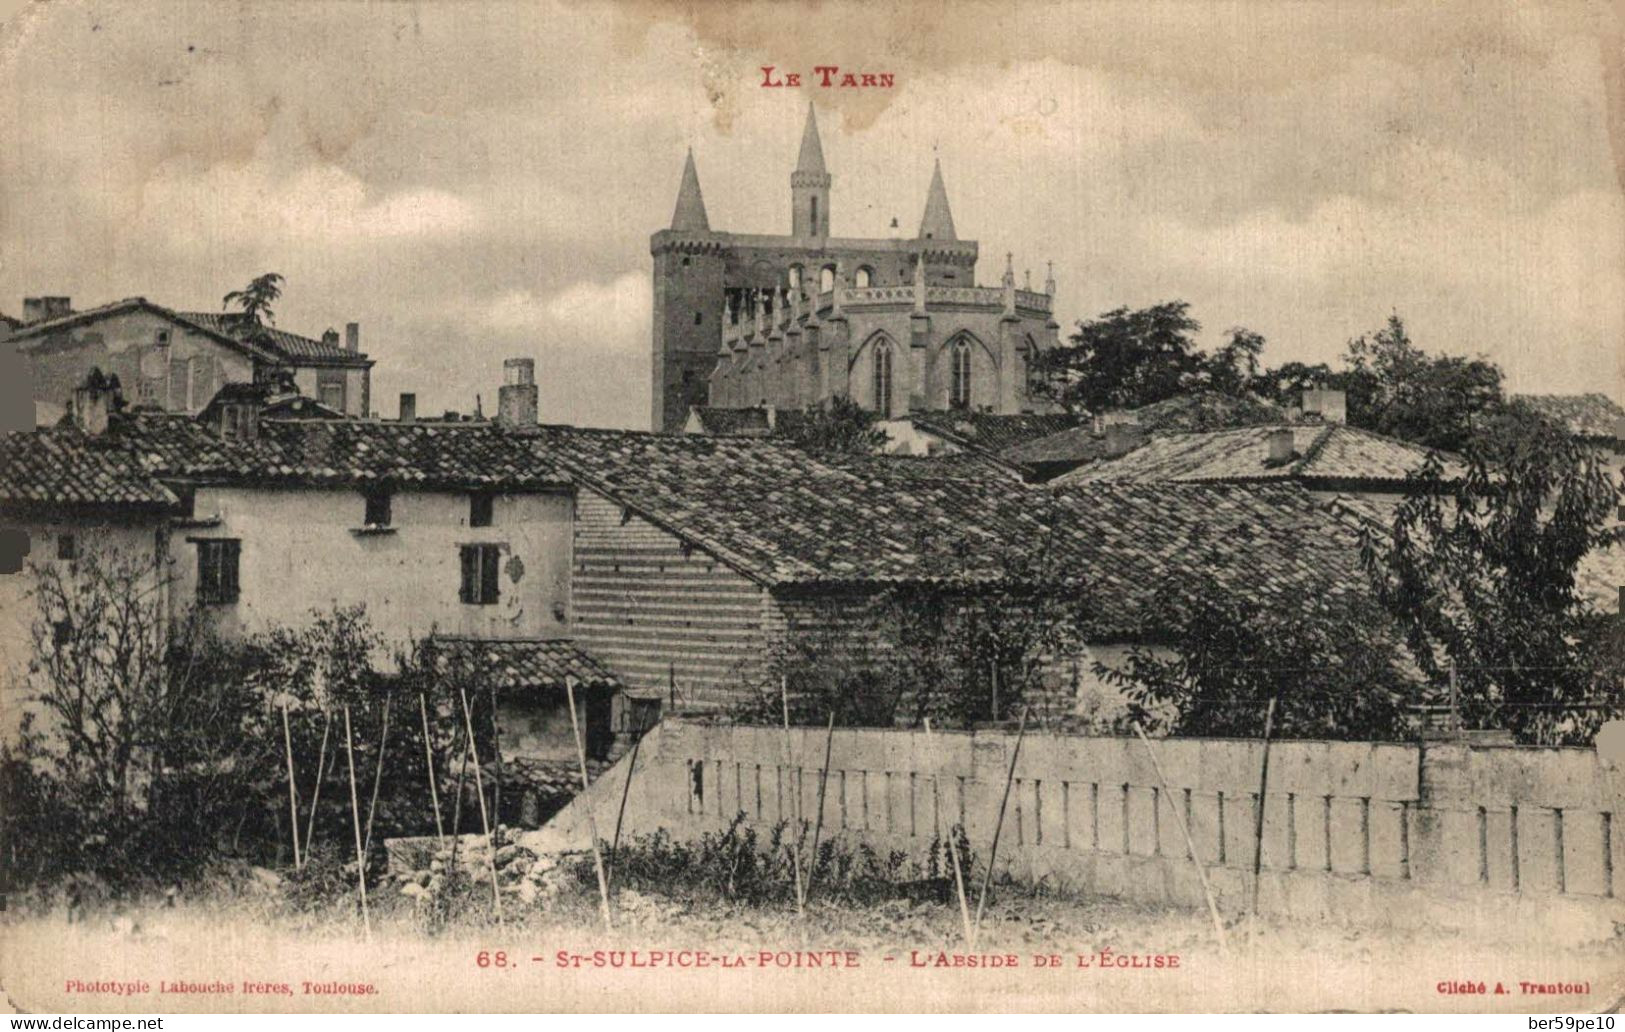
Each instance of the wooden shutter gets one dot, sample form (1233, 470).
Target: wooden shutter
(489, 556)
(230, 552)
(471, 572)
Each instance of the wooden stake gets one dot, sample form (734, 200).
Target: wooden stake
(355, 820)
(293, 789)
(626, 790)
(592, 824)
(1263, 785)
(428, 755)
(993, 853)
(818, 822)
(485, 821)
(378, 772)
(953, 850)
(795, 851)
(1190, 843)
(496, 754)
(316, 793)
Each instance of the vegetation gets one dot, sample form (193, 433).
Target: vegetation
(840, 427)
(1480, 574)
(153, 747)
(256, 299)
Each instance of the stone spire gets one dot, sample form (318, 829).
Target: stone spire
(1049, 281)
(809, 185)
(811, 159)
(690, 213)
(938, 223)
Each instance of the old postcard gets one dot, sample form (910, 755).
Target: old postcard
(987, 506)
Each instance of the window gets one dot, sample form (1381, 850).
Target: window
(217, 560)
(163, 338)
(814, 207)
(864, 277)
(826, 279)
(378, 506)
(237, 422)
(67, 546)
(883, 378)
(479, 574)
(480, 510)
(61, 632)
(959, 386)
(795, 277)
(699, 317)
(330, 388)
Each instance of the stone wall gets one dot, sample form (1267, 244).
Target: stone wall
(1521, 840)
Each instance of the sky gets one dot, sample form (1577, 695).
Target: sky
(475, 181)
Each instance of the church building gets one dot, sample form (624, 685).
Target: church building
(790, 321)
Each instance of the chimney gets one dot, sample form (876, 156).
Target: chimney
(1281, 447)
(94, 401)
(1331, 406)
(352, 337)
(1121, 438)
(331, 337)
(517, 399)
(409, 407)
(39, 309)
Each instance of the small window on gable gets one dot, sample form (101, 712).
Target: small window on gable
(481, 509)
(479, 574)
(67, 546)
(377, 509)
(163, 338)
(217, 562)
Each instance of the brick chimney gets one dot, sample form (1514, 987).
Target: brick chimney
(352, 337)
(517, 399)
(39, 309)
(94, 401)
(1281, 449)
(409, 407)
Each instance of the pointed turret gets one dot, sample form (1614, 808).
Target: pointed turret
(811, 159)
(809, 185)
(690, 212)
(938, 222)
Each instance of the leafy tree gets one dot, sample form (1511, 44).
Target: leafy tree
(1395, 388)
(840, 427)
(256, 299)
(1334, 664)
(1480, 573)
(1124, 359)
(1235, 366)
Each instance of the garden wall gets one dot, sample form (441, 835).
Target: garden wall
(1521, 840)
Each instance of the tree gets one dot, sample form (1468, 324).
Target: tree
(840, 427)
(1334, 664)
(1124, 359)
(1234, 367)
(1480, 574)
(256, 299)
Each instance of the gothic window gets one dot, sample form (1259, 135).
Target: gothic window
(826, 279)
(864, 277)
(883, 378)
(959, 387)
(814, 215)
(795, 277)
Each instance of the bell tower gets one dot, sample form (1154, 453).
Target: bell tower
(809, 185)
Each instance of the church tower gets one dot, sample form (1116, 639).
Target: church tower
(809, 185)
(688, 275)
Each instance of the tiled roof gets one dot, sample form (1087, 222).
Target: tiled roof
(525, 665)
(1584, 415)
(60, 466)
(1322, 453)
(1185, 413)
(47, 328)
(291, 346)
(791, 520)
(990, 432)
(146, 444)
